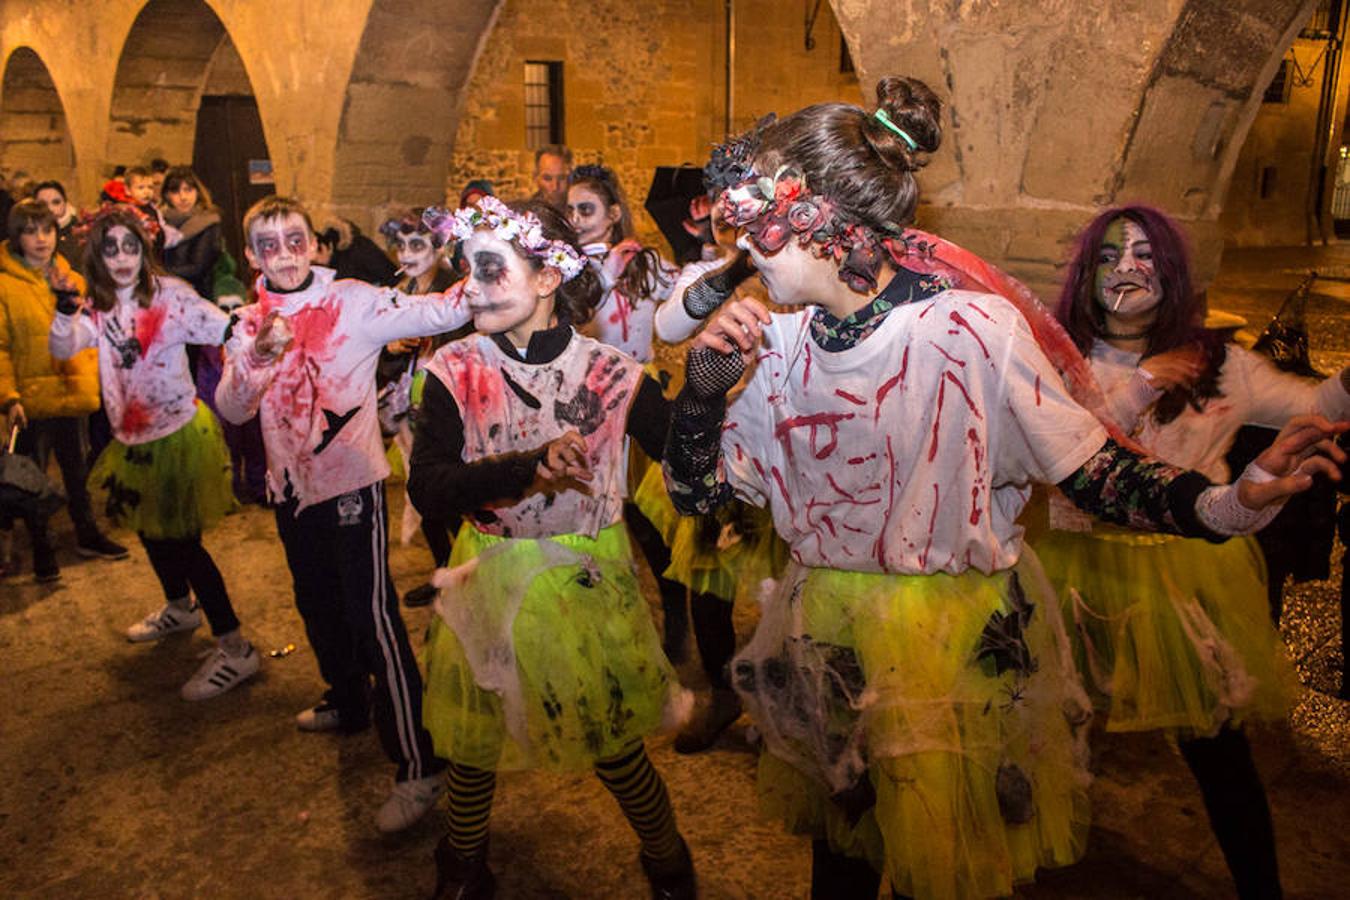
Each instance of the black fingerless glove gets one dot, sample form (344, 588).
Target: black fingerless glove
(712, 289)
(67, 302)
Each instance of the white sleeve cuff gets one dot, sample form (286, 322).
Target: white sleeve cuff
(1219, 508)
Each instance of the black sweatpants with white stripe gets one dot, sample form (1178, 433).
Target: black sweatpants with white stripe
(338, 552)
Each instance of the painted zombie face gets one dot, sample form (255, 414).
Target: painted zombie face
(183, 197)
(1127, 283)
(503, 290)
(416, 253)
(792, 274)
(589, 215)
(141, 188)
(37, 243)
(281, 248)
(551, 179)
(122, 255)
(55, 202)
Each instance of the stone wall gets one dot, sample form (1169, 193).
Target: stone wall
(1053, 108)
(658, 101)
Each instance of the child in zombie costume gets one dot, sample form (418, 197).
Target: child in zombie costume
(418, 251)
(544, 654)
(166, 471)
(1175, 633)
(717, 557)
(910, 675)
(304, 357)
(635, 280)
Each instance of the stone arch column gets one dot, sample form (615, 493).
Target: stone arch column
(1056, 109)
(34, 134)
(403, 103)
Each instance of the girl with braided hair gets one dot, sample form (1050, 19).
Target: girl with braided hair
(920, 713)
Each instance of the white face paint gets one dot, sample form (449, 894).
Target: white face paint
(281, 248)
(123, 255)
(592, 219)
(503, 290)
(415, 252)
(1127, 283)
(792, 275)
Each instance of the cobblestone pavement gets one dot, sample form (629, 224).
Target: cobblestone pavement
(110, 786)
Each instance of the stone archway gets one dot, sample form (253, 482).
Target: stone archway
(172, 49)
(34, 134)
(1058, 109)
(403, 103)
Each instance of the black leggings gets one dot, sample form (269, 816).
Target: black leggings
(835, 876)
(715, 635)
(183, 564)
(1238, 812)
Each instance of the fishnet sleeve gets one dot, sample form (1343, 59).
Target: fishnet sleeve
(693, 462)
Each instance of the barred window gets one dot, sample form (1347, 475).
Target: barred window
(543, 103)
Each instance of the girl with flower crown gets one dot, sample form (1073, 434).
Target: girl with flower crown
(421, 259)
(544, 654)
(635, 281)
(920, 715)
(166, 471)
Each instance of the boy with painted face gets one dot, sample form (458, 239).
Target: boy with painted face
(303, 357)
(419, 252)
(544, 655)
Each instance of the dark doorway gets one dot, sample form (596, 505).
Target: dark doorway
(230, 154)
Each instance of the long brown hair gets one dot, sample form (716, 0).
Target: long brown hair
(642, 276)
(102, 288)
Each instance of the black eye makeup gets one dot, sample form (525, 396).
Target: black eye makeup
(110, 247)
(489, 267)
(585, 209)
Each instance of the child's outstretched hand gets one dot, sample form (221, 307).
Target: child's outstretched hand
(274, 337)
(564, 460)
(1305, 447)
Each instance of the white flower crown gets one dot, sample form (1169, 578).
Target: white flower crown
(522, 229)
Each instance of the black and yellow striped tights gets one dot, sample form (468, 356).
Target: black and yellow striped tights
(629, 776)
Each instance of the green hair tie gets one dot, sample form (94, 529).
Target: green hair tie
(881, 116)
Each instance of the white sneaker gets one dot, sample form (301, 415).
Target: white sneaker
(408, 802)
(164, 622)
(219, 673)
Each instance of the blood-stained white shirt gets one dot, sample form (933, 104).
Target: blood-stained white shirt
(511, 406)
(1252, 392)
(143, 372)
(913, 451)
(317, 402)
(622, 321)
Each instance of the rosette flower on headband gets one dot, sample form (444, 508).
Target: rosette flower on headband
(87, 220)
(522, 229)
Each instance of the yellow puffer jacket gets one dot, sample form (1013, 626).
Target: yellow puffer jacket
(48, 388)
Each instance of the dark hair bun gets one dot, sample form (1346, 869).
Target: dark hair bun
(913, 107)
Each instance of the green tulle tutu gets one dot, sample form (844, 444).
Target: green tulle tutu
(174, 487)
(1170, 632)
(931, 724)
(544, 654)
(726, 556)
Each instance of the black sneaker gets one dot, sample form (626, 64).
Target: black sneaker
(458, 878)
(98, 546)
(45, 568)
(678, 883)
(420, 596)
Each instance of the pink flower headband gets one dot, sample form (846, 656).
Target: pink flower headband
(522, 229)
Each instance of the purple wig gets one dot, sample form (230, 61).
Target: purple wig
(1181, 314)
